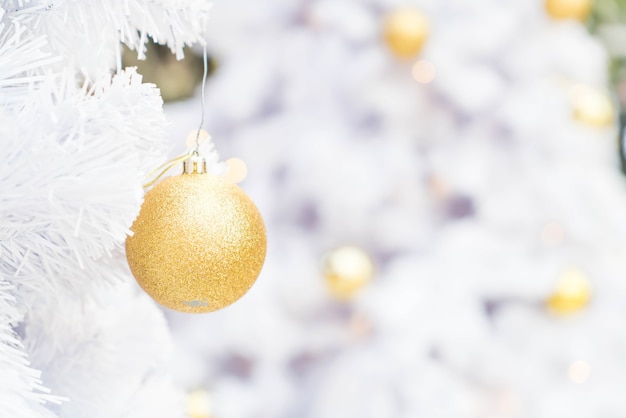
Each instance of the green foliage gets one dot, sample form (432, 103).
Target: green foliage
(608, 22)
(607, 12)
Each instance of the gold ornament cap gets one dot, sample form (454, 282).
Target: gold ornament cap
(196, 164)
(199, 242)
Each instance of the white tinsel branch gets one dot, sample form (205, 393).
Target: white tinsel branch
(57, 215)
(22, 392)
(23, 62)
(99, 27)
(73, 164)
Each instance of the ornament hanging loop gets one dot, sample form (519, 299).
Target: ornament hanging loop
(160, 171)
(193, 162)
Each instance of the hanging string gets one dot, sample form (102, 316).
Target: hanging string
(202, 100)
(160, 171)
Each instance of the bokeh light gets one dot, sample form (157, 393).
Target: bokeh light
(236, 170)
(579, 372)
(423, 71)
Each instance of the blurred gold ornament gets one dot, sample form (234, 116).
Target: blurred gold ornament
(405, 31)
(198, 243)
(569, 9)
(199, 404)
(572, 293)
(347, 270)
(592, 106)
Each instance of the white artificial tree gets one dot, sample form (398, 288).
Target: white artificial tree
(77, 135)
(449, 185)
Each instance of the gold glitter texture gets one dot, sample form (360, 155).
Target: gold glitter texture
(199, 243)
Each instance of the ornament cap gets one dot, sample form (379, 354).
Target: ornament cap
(196, 164)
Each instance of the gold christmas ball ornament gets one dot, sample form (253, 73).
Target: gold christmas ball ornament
(592, 106)
(347, 270)
(198, 243)
(405, 31)
(572, 293)
(569, 9)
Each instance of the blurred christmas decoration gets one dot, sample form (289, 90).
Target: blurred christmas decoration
(199, 404)
(592, 106)
(569, 9)
(347, 270)
(572, 293)
(177, 79)
(198, 243)
(405, 31)
(466, 194)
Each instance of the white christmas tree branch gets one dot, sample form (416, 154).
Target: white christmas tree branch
(99, 27)
(22, 392)
(57, 216)
(73, 165)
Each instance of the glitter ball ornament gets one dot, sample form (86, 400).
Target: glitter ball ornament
(572, 293)
(198, 243)
(592, 106)
(569, 9)
(347, 270)
(405, 31)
